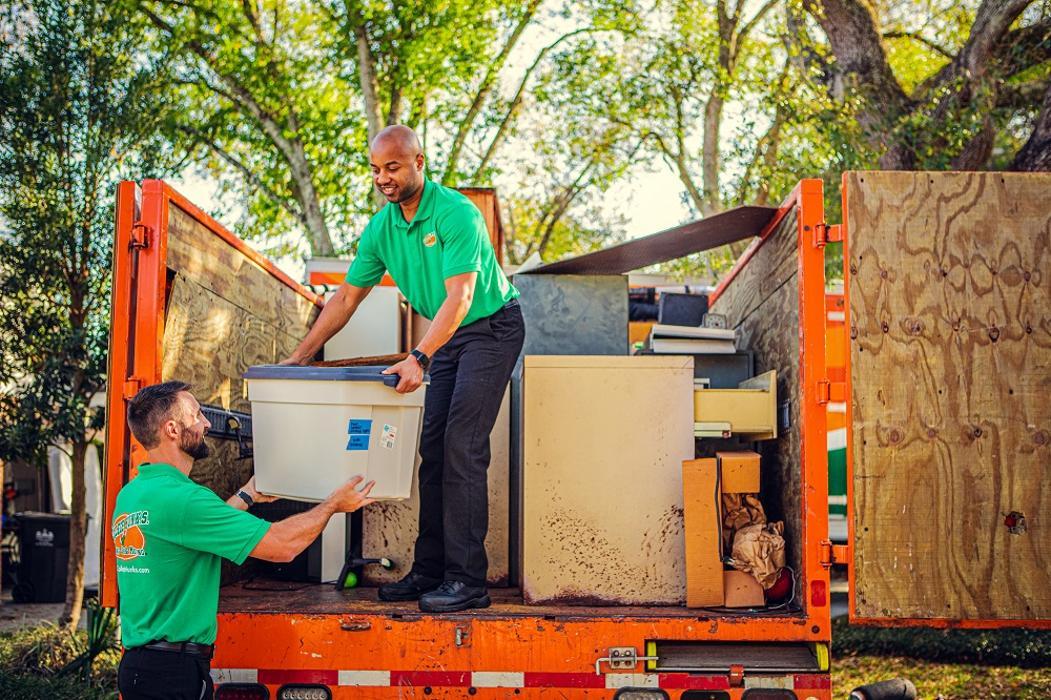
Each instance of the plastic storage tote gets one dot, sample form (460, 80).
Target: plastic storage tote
(313, 428)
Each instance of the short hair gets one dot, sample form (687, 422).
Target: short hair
(150, 408)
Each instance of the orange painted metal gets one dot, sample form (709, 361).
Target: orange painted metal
(127, 213)
(941, 623)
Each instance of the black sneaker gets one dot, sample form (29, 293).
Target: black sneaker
(453, 596)
(409, 588)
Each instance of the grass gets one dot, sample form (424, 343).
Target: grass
(935, 679)
(949, 664)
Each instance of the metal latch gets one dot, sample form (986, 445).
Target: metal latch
(140, 236)
(830, 554)
(825, 234)
(621, 659)
(824, 391)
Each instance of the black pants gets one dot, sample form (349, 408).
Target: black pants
(145, 674)
(469, 375)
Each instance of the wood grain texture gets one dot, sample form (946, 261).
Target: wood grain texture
(762, 303)
(951, 370)
(200, 255)
(209, 343)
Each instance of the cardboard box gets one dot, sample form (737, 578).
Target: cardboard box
(739, 471)
(703, 531)
(742, 590)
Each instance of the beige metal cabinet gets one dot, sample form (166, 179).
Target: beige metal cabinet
(603, 443)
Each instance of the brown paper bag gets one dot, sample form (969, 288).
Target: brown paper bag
(740, 510)
(760, 551)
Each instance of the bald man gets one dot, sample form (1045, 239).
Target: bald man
(435, 245)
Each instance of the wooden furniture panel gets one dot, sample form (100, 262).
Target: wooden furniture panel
(950, 358)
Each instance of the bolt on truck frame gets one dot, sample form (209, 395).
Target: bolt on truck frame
(948, 438)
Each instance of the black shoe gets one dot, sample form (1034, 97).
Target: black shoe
(410, 587)
(453, 596)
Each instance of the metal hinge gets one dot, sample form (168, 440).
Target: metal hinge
(824, 391)
(140, 236)
(621, 659)
(131, 387)
(832, 553)
(825, 233)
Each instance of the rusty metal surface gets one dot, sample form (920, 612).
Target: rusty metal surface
(277, 597)
(694, 237)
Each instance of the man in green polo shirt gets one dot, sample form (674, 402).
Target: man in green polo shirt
(434, 243)
(169, 534)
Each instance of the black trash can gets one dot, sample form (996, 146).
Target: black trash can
(44, 561)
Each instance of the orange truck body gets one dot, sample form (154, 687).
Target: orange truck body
(359, 648)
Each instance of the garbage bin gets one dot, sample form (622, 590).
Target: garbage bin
(44, 558)
(315, 427)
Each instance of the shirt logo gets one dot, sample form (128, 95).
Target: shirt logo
(430, 239)
(128, 539)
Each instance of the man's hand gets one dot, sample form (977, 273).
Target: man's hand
(410, 372)
(347, 498)
(249, 488)
(293, 360)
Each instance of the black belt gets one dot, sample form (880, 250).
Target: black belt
(511, 304)
(202, 650)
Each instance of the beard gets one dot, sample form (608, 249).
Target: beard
(194, 445)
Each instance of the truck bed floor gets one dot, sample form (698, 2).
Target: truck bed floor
(264, 596)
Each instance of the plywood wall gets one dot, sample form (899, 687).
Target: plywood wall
(950, 308)
(762, 303)
(224, 314)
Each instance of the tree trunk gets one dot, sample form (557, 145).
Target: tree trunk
(710, 160)
(1036, 153)
(78, 525)
(369, 86)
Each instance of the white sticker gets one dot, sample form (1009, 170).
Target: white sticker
(390, 435)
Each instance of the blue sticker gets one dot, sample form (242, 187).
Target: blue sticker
(359, 426)
(358, 442)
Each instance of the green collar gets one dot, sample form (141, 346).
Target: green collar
(423, 212)
(159, 469)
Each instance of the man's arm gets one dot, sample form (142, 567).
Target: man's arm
(459, 293)
(287, 538)
(335, 314)
(237, 502)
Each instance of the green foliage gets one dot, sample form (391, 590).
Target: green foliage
(76, 110)
(32, 662)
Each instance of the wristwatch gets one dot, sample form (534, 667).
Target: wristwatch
(246, 498)
(424, 361)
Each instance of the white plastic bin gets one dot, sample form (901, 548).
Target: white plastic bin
(313, 428)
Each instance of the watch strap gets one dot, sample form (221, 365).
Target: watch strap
(246, 498)
(424, 361)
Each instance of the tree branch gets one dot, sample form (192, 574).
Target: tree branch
(916, 36)
(516, 101)
(485, 89)
(1036, 153)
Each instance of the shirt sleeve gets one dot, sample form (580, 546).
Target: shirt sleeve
(462, 238)
(367, 269)
(211, 525)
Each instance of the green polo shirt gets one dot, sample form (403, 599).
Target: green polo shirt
(169, 534)
(447, 237)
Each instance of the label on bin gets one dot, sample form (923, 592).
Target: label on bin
(358, 442)
(359, 426)
(390, 434)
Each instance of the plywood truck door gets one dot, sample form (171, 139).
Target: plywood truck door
(949, 418)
